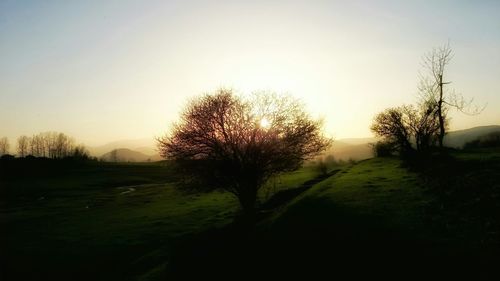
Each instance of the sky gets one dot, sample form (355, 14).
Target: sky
(102, 71)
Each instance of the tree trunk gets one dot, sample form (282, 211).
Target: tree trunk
(418, 142)
(440, 113)
(248, 199)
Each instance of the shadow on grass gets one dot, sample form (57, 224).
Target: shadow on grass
(316, 238)
(284, 196)
(349, 246)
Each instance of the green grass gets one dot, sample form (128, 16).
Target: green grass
(85, 222)
(376, 193)
(79, 220)
(287, 181)
(478, 154)
(381, 197)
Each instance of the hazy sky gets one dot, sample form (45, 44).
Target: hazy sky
(109, 70)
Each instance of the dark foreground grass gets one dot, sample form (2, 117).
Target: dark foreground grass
(103, 221)
(374, 219)
(379, 217)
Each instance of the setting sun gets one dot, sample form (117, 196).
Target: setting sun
(264, 123)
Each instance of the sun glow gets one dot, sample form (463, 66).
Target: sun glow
(264, 123)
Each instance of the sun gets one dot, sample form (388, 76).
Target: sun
(264, 123)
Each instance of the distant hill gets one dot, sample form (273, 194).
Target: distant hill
(357, 150)
(349, 148)
(145, 145)
(457, 139)
(356, 141)
(128, 155)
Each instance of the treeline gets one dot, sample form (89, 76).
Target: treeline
(51, 145)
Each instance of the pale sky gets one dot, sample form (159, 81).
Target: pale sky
(102, 71)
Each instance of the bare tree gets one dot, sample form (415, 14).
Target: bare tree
(392, 125)
(32, 146)
(58, 145)
(63, 145)
(405, 126)
(23, 143)
(236, 144)
(4, 146)
(431, 88)
(80, 152)
(423, 124)
(38, 145)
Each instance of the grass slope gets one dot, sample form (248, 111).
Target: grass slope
(375, 193)
(107, 221)
(377, 218)
(103, 221)
(374, 218)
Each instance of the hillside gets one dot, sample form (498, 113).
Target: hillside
(128, 221)
(374, 218)
(343, 150)
(457, 139)
(145, 145)
(128, 155)
(359, 148)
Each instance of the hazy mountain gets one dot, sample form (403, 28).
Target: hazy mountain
(357, 149)
(146, 146)
(457, 139)
(351, 148)
(356, 141)
(128, 155)
(148, 150)
(348, 148)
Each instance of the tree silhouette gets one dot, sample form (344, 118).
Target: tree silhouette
(431, 88)
(403, 126)
(22, 146)
(224, 141)
(49, 144)
(4, 146)
(423, 124)
(392, 125)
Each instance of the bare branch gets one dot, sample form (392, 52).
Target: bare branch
(220, 143)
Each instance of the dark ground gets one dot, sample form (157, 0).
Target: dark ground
(431, 218)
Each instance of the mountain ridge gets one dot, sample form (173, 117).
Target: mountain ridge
(345, 149)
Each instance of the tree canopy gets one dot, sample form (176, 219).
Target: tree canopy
(236, 144)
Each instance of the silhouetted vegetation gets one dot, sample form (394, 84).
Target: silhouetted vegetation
(383, 149)
(409, 128)
(224, 141)
(323, 165)
(406, 128)
(4, 146)
(51, 145)
(433, 94)
(489, 140)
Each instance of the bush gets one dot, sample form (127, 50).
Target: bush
(321, 167)
(323, 164)
(383, 149)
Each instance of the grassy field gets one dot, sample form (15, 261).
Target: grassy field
(103, 221)
(374, 218)
(128, 222)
